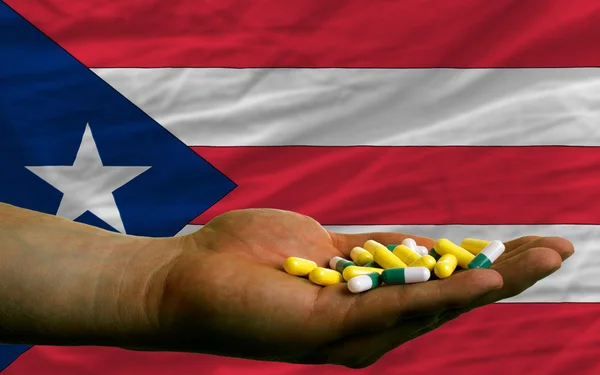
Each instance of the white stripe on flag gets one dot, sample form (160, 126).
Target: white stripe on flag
(576, 281)
(337, 107)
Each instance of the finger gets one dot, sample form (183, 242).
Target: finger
(382, 308)
(344, 242)
(563, 247)
(523, 271)
(512, 245)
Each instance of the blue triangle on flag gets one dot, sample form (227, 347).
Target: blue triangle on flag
(47, 100)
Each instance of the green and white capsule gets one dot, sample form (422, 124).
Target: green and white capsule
(364, 282)
(339, 264)
(391, 246)
(409, 275)
(488, 255)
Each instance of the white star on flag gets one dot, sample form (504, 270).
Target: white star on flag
(88, 185)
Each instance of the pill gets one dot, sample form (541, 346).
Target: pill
(360, 256)
(397, 276)
(372, 264)
(339, 263)
(387, 259)
(445, 266)
(391, 246)
(473, 245)
(434, 254)
(405, 254)
(410, 243)
(364, 282)
(488, 255)
(444, 246)
(371, 245)
(325, 276)
(353, 271)
(426, 261)
(422, 250)
(298, 266)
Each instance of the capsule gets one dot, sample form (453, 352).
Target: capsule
(426, 261)
(364, 282)
(398, 276)
(298, 266)
(488, 255)
(360, 256)
(325, 276)
(391, 246)
(405, 254)
(422, 250)
(339, 263)
(473, 245)
(410, 243)
(444, 246)
(387, 259)
(445, 266)
(371, 245)
(353, 271)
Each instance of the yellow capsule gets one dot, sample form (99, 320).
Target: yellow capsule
(298, 266)
(426, 261)
(445, 266)
(353, 271)
(473, 245)
(444, 246)
(371, 246)
(360, 256)
(405, 254)
(325, 276)
(387, 259)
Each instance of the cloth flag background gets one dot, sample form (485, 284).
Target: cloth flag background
(449, 119)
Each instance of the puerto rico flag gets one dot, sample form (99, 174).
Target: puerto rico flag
(452, 119)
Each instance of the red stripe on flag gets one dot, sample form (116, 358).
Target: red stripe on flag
(414, 185)
(496, 339)
(315, 33)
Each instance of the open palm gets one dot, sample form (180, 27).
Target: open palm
(227, 293)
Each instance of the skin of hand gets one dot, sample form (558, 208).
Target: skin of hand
(222, 290)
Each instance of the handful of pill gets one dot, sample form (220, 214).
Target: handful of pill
(375, 264)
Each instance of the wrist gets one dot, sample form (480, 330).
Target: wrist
(64, 283)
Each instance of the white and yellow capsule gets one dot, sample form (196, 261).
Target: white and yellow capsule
(422, 250)
(325, 276)
(360, 256)
(298, 266)
(353, 271)
(406, 254)
(426, 261)
(445, 246)
(372, 245)
(445, 266)
(387, 259)
(410, 243)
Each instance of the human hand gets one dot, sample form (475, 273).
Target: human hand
(226, 292)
